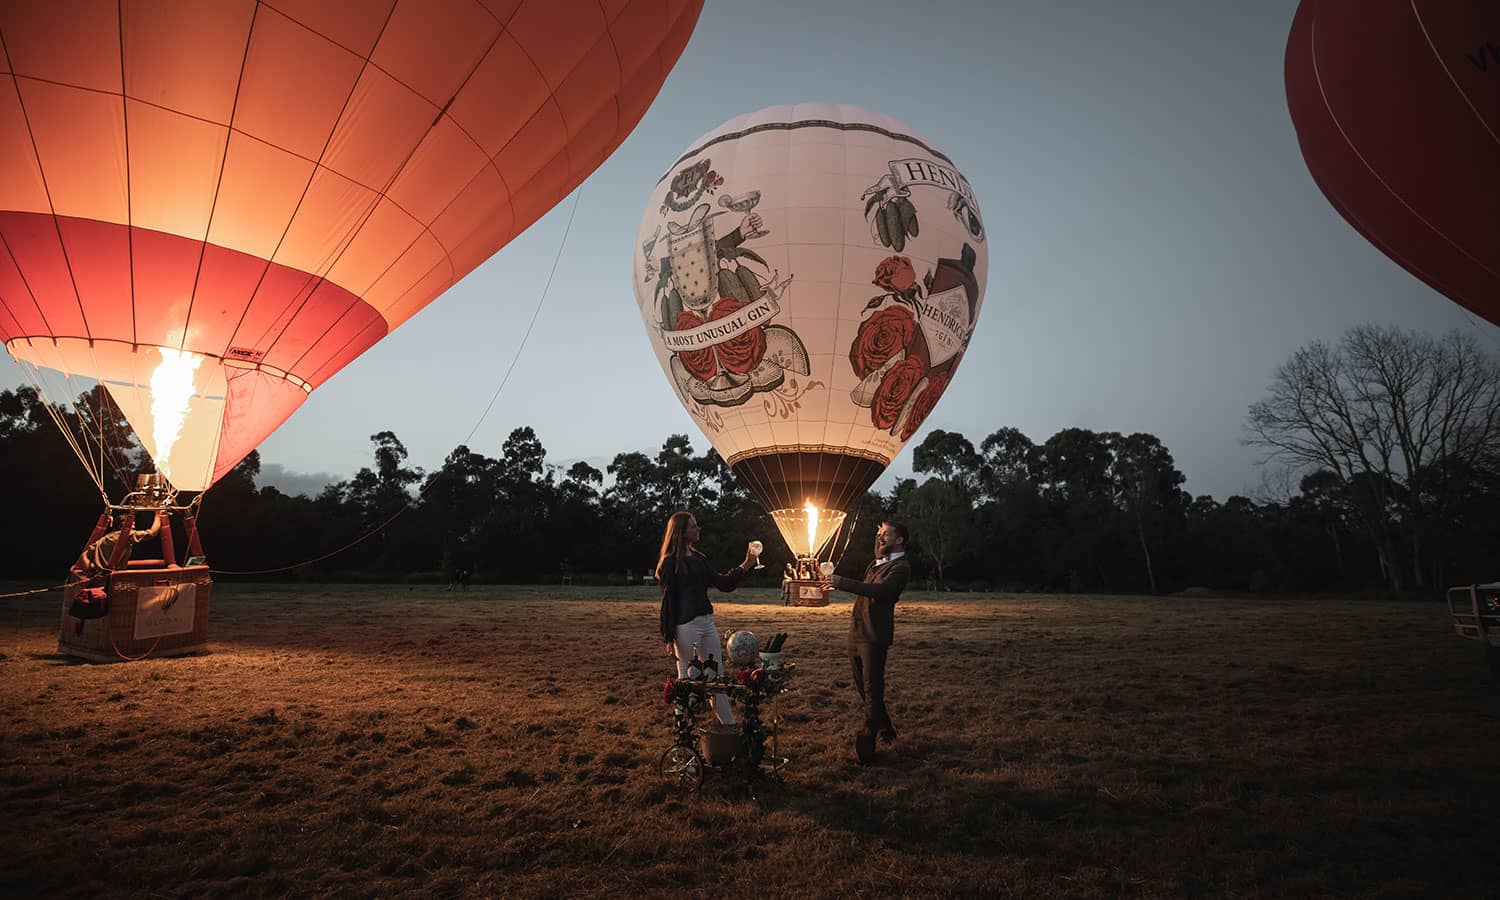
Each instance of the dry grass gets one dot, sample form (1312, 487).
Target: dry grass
(382, 741)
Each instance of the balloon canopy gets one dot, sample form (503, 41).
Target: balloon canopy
(1396, 104)
(809, 277)
(211, 208)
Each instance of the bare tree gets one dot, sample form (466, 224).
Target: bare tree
(1395, 416)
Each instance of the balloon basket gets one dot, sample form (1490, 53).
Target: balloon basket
(797, 592)
(151, 610)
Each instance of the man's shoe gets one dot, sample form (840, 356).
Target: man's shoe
(888, 734)
(864, 748)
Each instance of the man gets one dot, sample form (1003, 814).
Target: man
(871, 629)
(95, 559)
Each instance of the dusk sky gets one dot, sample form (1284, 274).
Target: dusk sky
(1157, 246)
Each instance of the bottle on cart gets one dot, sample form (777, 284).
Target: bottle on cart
(695, 666)
(710, 667)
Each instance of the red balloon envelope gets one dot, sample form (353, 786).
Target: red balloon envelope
(1397, 108)
(212, 207)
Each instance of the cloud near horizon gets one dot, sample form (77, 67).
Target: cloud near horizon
(308, 484)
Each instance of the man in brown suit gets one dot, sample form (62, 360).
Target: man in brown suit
(871, 629)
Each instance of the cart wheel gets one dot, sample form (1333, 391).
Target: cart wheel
(683, 767)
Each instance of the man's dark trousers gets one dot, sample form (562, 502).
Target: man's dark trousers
(869, 678)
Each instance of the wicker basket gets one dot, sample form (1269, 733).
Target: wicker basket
(152, 612)
(799, 592)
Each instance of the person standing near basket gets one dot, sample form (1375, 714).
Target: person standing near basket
(687, 616)
(872, 630)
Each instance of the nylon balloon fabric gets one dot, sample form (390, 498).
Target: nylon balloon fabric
(1396, 104)
(212, 208)
(809, 277)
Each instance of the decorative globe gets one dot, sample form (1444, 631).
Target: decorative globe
(744, 648)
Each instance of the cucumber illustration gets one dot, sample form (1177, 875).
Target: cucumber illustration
(908, 214)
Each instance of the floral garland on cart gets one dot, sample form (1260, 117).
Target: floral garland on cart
(751, 685)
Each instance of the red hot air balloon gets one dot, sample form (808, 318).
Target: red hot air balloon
(212, 207)
(1397, 108)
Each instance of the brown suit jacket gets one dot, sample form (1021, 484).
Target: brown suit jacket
(874, 617)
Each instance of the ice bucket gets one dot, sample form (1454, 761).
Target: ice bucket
(720, 743)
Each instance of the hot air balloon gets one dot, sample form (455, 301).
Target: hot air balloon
(211, 208)
(1396, 104)
(809, 277)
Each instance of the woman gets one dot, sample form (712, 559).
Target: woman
(687, 618)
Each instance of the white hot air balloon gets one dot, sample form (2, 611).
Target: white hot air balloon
(809, 277)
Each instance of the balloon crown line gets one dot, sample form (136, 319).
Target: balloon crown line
(804, 123)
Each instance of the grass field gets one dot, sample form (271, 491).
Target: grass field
(503, 742)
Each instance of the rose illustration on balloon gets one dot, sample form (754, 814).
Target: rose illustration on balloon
(880, 338)
(740, 354)
(922, 406)
(895, 274)
(895, 389)
(699, 363)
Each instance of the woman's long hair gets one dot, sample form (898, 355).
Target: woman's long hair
(674, 542)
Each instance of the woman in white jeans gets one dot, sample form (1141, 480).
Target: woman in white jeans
(687, 616)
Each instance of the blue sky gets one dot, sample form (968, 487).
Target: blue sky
(1157, 246)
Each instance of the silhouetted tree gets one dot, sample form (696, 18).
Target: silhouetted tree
(940, 511)
(1392, 414)
(1148, 488)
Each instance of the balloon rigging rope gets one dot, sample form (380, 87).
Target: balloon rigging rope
(1477, 329)
(530, 326)
(55, 412)
(45, 590)
(106, 445)
(838, 557)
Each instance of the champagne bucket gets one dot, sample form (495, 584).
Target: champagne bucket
(720, 743)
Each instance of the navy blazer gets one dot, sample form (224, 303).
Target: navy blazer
(684, 595)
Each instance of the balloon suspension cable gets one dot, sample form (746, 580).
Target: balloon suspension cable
(838, 557)
(535, 313)
(529, 326)
(59, 417)
(1475, 325)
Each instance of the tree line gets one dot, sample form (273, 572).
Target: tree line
(1387, 442)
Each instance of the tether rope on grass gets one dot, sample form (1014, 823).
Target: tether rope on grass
(535, 313)
(45, 590)
(126, 658)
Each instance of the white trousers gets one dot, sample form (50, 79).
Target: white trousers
(701, 634)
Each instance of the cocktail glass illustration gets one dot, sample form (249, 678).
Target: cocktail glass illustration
(744, 203)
